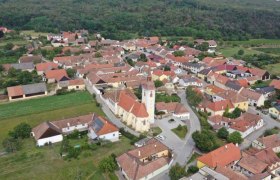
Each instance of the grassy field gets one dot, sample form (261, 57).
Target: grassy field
(45, 163)
(273, 68)
(18, 42)
(50, 108)
(275, 51)
(33, 33)
(156, 131)
(180, 131)
(256, 42)
(230, 51)
(44, 104)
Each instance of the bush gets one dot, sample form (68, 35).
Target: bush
(177, 172)
(108, 164)
(223, 133)
(23, 130)
(193, 169)
(235, 137)
(11, 144)
(205, 140)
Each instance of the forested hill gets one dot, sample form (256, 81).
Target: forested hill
(122, 19)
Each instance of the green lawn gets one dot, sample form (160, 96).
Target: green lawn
(194, 156)
(273, 68)
(166, 98)
(45, 163)
(180, 131)
(44, 104)
(18, 42)
(230, 51)
(49, 108)
(261, 84)
(156, 131)
(33, 33)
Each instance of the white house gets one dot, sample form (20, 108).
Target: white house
(254, 98)
(101, 128)
(272, 141)
(246, 124)
(190, 82)
(46, 133)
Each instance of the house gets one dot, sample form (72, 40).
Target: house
(212, 90)
(194, 67)
(274, 111)
(72, 84)
(256, 162)
(161, 75)
(219, 107)
(41, 68)
(53, 76)
(237, 99)
(246, 124)
(272, 141)
(218, 80)
(185, 82)
(218, 121)
(30, 59)
(254, 98)
(27, 91)
(101, 128)
(204, 73)
(173, 108)
(233, 85)
(263, 74)
(20, 66)
(53, 132)
(268, 91)
(275, 83)
(145, 162)
(46, 133)
(225, 156)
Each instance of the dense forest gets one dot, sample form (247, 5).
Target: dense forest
(123, 19)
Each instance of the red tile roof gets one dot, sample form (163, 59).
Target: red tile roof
(56, 74)
(46, 66)
(15, 91)
(220, 105)
(275, 83)
(222, 156)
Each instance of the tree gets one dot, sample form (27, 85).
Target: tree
(1, 68)
(166, 68)
(240, 52)
(9, 46)
(23, 130)
(193, 169)
(98, 55)
(235, 137)
(203, 47)
(179, 53)
(177, 172)
(11, 145)
(1, 34)
(71, 72)
(108, 164)
(143, 57)
(158, 83)
(205, 140)
(193, 97)
(223, 133)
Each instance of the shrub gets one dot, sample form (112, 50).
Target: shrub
(193, 169)
(23, 130)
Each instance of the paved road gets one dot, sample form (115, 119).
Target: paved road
(182, 148)
(269, 124)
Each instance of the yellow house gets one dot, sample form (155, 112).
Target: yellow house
(159, 77)
(275, 111)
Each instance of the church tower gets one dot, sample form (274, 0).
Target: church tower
(148, 98)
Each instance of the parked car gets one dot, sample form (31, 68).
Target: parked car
(171, 120)
(160, 137)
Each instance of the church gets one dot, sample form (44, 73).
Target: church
(133, 112)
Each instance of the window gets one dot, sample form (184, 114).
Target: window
(113, 134)
(77, 87)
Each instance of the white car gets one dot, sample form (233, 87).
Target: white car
(160, 137)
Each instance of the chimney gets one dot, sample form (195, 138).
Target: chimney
(226, 146)
(236, 144)
(155, 145)
(139, 153)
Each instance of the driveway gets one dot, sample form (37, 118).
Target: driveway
(269, 123)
